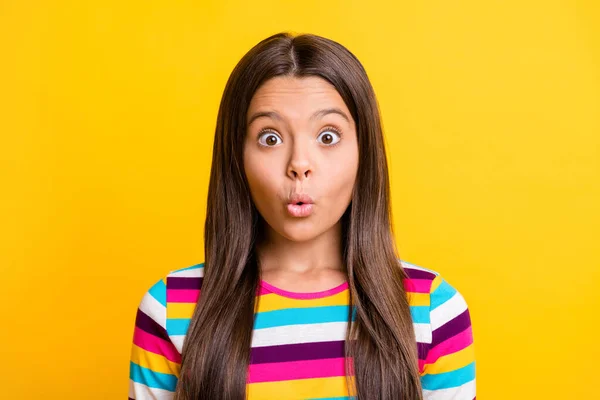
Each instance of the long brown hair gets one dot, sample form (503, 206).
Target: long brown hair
(381, 350)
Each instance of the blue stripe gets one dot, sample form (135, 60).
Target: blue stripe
(420, 314)
(450, 379)
(177, 326)
(151, 378)
(159, 292)
(442, 294)
(295, 316)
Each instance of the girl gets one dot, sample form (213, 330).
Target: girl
(301, 294)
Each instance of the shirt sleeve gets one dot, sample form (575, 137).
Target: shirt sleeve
(449, 368)
(155, 361)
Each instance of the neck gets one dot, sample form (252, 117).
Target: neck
(321, 254)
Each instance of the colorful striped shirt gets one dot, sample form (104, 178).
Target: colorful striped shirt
(297, 349)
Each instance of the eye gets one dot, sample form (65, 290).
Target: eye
(328, 138)
(271, 139)
(268, 138)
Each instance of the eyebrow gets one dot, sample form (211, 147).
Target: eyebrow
(318, 114)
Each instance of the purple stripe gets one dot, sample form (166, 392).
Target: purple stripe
(418, 274)
(451, 328)
(422, 349)
(183, 283)
(147, 324)
(296, 352)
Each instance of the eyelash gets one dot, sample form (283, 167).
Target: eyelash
(325, 129)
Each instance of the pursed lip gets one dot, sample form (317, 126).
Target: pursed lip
(300, 198)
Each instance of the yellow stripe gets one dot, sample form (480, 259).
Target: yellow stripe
(298, 389)
(453, 361)
(272, 301)
(418, 299)
(180, 310)
(153, 361)
(435, 283)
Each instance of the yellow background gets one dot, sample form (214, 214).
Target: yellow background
(107, 114)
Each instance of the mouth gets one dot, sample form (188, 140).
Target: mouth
(300, 199)
(300, 205)
(300, 209)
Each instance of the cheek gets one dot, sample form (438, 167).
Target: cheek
(260, 178)
(343, 176)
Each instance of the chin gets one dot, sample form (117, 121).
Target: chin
(299, 231)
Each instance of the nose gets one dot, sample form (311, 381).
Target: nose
(300, 167)
(302, 174)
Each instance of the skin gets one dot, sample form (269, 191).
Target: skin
(297, 154)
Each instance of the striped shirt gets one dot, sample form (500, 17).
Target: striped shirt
(297, 349)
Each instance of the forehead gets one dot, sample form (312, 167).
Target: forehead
(296, 97)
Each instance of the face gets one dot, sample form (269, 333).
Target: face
(300, 138)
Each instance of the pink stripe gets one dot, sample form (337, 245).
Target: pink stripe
(305, 295)
(263, 290)
(182, 295)
(452, 345)
(283, 371)
(156, 345)
(421, 366)
(417, 285)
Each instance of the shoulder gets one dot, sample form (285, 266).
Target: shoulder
(170, 301)
(187, 278)
(417, 272)
(439, 301)
(430, 282)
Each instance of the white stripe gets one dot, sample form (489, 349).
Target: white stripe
(423, 333)
(453, 307)
(140, 391)
(301, 333)
(150, 306)
(177, 341)
(464, 392)
(188, 273)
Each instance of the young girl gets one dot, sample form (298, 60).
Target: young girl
(301, 294)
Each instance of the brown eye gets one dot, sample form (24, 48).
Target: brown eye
(329, 138)
(270, 141)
